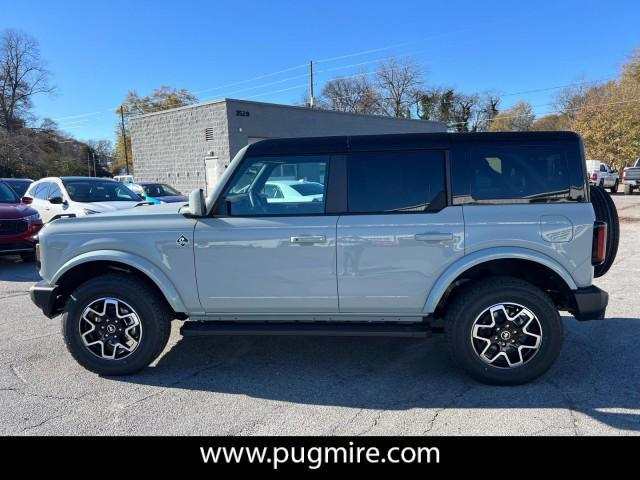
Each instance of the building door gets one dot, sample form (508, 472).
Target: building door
(211, 172)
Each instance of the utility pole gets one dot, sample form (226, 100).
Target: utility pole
(311, 84)
(95, 172)
(124, 140)
(88, 164)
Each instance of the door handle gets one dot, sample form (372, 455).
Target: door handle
(434, 237)
(310, 239)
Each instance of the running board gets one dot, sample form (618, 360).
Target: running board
(192, 328)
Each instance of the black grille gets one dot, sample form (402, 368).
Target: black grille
(13, 227)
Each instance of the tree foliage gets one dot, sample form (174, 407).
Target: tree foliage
(461, 112)
(163, 98)
(519, 117)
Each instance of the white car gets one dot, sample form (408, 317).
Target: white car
(280, 191)
(57, 197)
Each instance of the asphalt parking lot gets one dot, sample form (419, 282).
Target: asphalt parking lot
(318, 386)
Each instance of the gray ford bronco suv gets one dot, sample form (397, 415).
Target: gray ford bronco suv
(485, 236)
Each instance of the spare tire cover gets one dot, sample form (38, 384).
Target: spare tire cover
(606, 211)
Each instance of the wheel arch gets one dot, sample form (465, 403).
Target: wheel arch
(88, 265)
(530, 265)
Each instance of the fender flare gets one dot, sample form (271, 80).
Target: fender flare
(486, 255)
(157, 276)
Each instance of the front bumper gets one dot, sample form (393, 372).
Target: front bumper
(589, 303)
(16, 247)
(47, 298)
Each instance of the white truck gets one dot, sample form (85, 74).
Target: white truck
(602, 175)
(631, 178)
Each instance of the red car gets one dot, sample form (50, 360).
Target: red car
(19, 224)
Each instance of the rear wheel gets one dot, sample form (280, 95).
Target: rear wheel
(606, 211)
(115, 324)
(503, 332)
(614, 189)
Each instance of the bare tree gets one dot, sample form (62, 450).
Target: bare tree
(356, 95)
(399, 83)
(22, 75)
(461, 112)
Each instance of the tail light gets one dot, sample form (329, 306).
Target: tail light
(594, 176)
(599, 246)
(624, 175)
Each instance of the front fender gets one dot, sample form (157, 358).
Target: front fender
(155, 274)
(487, 255)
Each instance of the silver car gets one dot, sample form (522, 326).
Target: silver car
(485, 236)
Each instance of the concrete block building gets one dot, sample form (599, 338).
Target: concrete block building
(189, 147)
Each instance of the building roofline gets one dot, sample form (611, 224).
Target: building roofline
(280, 105)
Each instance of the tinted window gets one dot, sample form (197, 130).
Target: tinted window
(512, 174)
(159, 190)
(7, 195)
(396, 182)
(19, 186)
(263, 186)
(99, 191)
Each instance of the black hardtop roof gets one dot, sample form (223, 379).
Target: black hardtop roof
(396, 141)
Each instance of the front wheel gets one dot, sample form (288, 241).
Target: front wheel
(503, 332)
(115, 324)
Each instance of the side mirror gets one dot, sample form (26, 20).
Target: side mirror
(27, 200)
(197, 205)
(56, 200)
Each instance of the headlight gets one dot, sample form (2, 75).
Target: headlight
(33, 218)
(88, 211)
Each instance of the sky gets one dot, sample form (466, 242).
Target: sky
(98, 50)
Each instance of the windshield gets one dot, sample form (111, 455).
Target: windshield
(159, 190)
(19, 186)
(309, 188)
(88, 191)
(7, 195)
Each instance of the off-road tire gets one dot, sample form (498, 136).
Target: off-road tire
(467, 305)
(606, 211)
(153, 311)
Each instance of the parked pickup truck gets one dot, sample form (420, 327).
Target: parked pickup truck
(486, 236)
(602, 175)
(631, 178)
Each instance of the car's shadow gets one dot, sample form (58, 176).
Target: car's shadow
(13, 269)
(597, 373)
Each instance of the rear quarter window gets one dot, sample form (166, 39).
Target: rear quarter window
(504, 173)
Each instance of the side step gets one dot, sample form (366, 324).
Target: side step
(192, 328)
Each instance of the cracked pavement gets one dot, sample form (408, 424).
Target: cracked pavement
(322, 386)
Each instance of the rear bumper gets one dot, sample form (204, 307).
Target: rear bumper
(46, 297)
(589, 303)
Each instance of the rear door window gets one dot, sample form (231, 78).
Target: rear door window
(396, 182)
